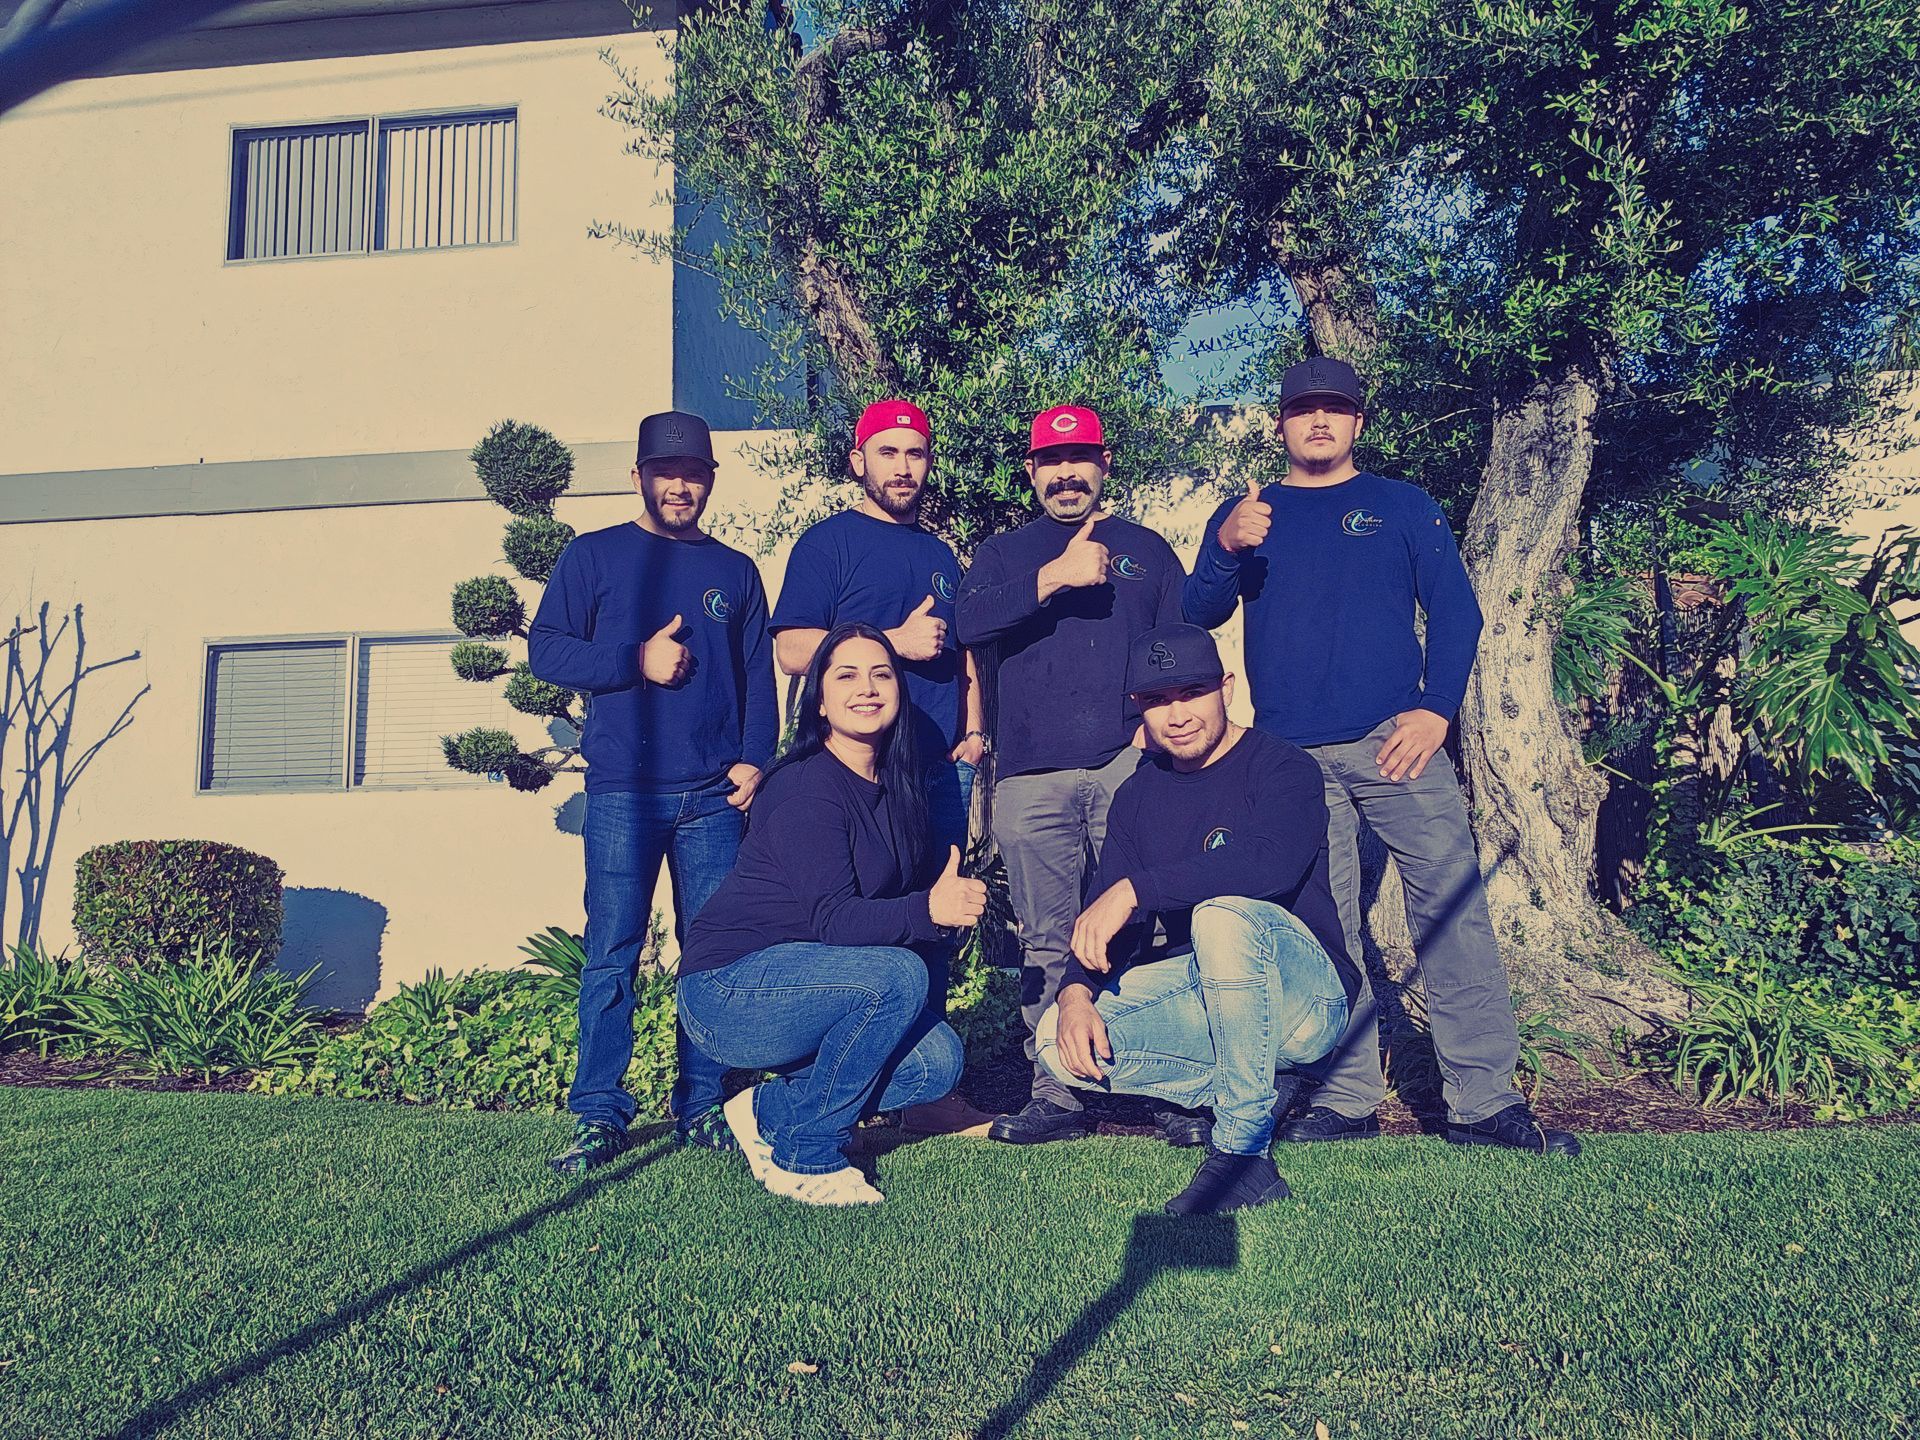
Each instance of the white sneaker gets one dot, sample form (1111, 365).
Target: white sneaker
(746, 1129)
(836, 1187)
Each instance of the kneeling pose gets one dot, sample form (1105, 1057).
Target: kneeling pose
(1210, 958)
(802, 961)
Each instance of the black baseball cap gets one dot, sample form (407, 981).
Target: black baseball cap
(674, 433)
(1169, 656)
(1321, 375)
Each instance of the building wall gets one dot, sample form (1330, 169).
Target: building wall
(129, 340)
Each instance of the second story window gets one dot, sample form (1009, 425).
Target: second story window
(413, 182)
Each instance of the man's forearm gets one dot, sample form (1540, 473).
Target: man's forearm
(793, 649)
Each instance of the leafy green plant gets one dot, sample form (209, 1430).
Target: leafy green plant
(1542, 1038)
(983, 1005)
(140, 901)
(427, 1001)
(1594, 625)
(43, 999)
(210, 1017)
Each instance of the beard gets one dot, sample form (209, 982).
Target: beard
(1069, 497)
(878, 492)
(668, 523)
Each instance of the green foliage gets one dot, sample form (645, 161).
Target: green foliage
(492, 1040)
(1756, 1036)
(480, 751)
(209, 1018)
(533, 696)
(475, 661)
(1828, 679)
(523, 468)
(43, 1000)
(533, 544)
(1542, 1039)
(1591, 635)
(487, 607)
(983, 1006)
(168, 900)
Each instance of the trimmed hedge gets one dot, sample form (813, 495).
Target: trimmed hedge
(138, 900)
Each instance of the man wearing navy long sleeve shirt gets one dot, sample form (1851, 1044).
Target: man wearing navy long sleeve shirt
(665, 630)
(1331, 566)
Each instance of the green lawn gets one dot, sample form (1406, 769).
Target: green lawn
(228, 1266)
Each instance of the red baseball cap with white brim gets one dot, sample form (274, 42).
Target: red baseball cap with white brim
(891, 415)
(1065, 425)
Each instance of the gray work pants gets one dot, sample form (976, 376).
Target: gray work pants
(1423, 823)
(1050, 826)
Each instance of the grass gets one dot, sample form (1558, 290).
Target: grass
(227, 1266)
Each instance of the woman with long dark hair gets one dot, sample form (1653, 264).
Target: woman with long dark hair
(801, 962)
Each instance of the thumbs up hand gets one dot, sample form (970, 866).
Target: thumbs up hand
(1083, 562)
(955, 901)
(922, 635)
(1247, 524)
(663, 659)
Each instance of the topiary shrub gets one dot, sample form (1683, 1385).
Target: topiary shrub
(530, 695)
(487, 607)
(473, 660)
(142, 900)
(522, 467)
(480, 751)
(533, 544)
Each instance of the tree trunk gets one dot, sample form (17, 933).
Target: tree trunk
(1534, 798)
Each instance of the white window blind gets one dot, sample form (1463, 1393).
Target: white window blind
(300, 191)
(447, 181)
(276, 716)
(409, 697)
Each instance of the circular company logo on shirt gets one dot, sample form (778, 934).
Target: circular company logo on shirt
(942, 586)
(717, 606)
(1217, 838)
(1126, 567)
(1360, 522)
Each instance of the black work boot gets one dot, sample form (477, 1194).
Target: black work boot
(1320, 1123)
(1515, 1128)
(1229, 1182)
(1183, 1128)
(1039, 1122)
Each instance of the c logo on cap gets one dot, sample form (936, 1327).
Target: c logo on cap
(1160, 657)
(717, 606)
(942, 586)
(1060, 424)
(1218, 838)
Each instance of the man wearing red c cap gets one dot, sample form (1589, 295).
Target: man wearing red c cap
(1063, 598)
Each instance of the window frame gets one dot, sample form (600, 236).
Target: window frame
(376, 178)
(349, 751)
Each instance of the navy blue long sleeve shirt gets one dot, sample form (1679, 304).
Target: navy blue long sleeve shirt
(610, 593)
(1063, 665)
(1252, 824)
(823, 860)
(1330, 594)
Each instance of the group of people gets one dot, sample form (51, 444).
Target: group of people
(1186, 890)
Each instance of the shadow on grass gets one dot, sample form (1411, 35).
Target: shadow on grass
(165, 1412)
(1159, 1243)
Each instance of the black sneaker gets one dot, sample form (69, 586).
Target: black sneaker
(1229, 1182)
(1182, 1127)
(1515, 1128)
(1039, 1122)
(707, 1131)
(1320, 1123)
(594, 1144)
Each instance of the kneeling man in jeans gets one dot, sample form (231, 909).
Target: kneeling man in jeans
(1212, 956)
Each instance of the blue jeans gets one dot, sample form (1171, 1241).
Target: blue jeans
(949, 806)
(1211, 1028)
(848, 1026)
(697, 833)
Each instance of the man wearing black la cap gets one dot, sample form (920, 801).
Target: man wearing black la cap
(1332, 566)
(665, 630)
(1211, 957)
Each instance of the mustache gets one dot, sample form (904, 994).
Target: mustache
(1062, 487)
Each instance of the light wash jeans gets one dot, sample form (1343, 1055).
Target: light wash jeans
(848, 1026)
(1210, 1028)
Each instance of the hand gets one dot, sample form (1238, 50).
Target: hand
(1100, 922)
(1247, 523)
(955, 901)
(663, 659)
(1083, 562)
(922, 635)
(1081, 1035)
(1417, 735)
(971, 749)
(745, 779)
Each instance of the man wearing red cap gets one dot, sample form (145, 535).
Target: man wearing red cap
(875, 563)
(1062, 599)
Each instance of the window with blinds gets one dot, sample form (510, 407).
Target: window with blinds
(275, 716)
(408, 697)
(415, 182)
(334, 713)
